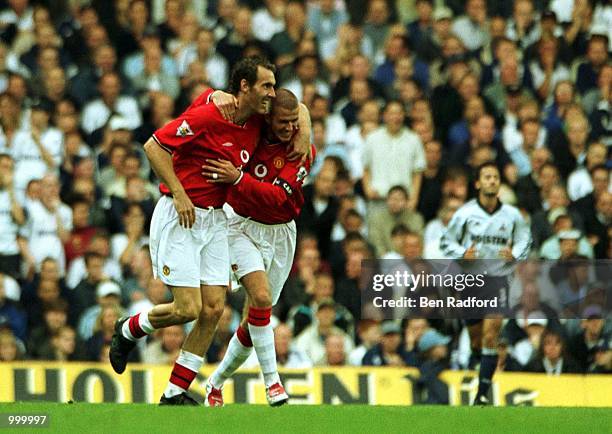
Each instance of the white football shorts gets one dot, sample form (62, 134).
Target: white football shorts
(189, 257)
(259, 247)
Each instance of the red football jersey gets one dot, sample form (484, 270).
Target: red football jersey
(270, 191)
(201, 133)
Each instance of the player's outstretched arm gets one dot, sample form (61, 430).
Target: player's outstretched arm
(161, 162)
(268, 194)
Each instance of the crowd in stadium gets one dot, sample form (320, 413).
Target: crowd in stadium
(406, 98)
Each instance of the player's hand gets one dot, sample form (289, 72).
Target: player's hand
(226, 103)
(220, 171)
(300, 151)
(185, 209)
(506, 253)
(471, 252)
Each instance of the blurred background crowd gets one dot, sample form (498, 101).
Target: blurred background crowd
(406, 97)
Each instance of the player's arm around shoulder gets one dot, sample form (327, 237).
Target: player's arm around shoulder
(301, 145)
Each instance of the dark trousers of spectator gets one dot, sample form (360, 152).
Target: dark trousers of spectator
(435, 391)
(11, 265)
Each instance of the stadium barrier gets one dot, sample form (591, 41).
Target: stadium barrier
(96, 382)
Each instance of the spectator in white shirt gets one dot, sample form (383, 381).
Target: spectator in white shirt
(268, 20)
(101, 246)
(312, 339)
(546, 70)
(579, 182)
(48, 225)
(471, 28)
(393, 155)
(37, 150)
(125, 245)
(11, 217)
(307, 72)
(203, 52)
(369, 120)
(153, 80)
(97, 113)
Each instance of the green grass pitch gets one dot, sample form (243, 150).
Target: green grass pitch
(149, 419)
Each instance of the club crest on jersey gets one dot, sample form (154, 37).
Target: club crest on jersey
(302, 173)
(279, 162)
(184, 130)
(166, 270)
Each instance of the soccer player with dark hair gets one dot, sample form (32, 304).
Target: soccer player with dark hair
(262, 237)
(484, 228)
(189, 246)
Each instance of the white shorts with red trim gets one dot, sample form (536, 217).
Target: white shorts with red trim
(259, 247)
(189, 257)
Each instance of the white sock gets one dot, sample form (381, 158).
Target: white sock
(145, 324)
(263, 342)
(234, 357)
(142, 327)
(186, 363)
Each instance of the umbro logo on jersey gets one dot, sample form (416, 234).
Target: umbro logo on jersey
(502, 228)
(184, 130)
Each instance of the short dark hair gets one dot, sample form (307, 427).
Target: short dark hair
(59, 305)
(285, 99)
(400, 229)
(353, 213)
(246, 69)
(399, 188)
(484, 166)
(132, 205)
(392, 102)
(75, 199)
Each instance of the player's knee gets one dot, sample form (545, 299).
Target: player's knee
(212, 310)
(261, 299)
(187, 312)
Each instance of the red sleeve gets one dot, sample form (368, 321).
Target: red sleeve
(267, 194)
(202, 99)
(283, 189)
(183, 130)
